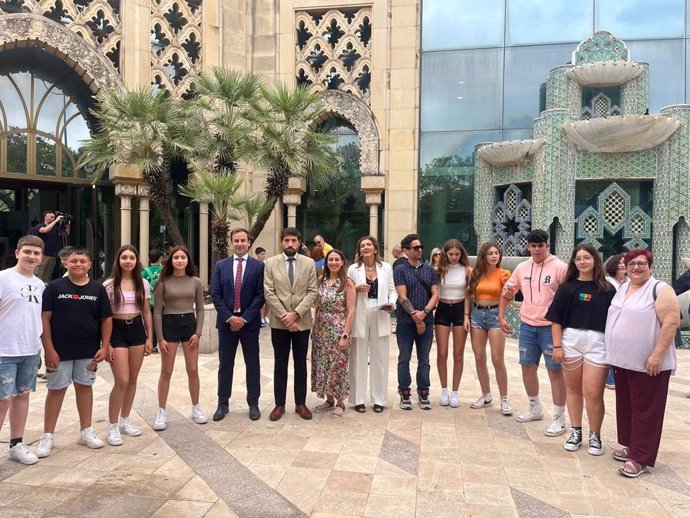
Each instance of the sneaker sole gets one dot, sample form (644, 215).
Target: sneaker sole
(113, 443)
(84, 443)
(42, 455)
(24, 461)
(520, 419)
(484, 405)
(596, 453)
(455, 405)
(507, 412)
(160, 428)
(571, 447)
(444, 403)
(200, 421)
(122, 432)
(554, 434)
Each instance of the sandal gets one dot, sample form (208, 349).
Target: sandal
(378, 408)
(360, 408)
(325, 406)
(632, 469)
(621, 455)
(338, 411)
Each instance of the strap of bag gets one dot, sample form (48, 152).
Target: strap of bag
(426, 287)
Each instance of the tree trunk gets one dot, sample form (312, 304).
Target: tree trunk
(261, 220)
(219, 244)
(159, 196)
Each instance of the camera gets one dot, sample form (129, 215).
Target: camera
(66, 219)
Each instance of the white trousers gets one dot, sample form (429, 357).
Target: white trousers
(370, 351)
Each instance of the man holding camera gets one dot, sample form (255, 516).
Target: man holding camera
(48, 232)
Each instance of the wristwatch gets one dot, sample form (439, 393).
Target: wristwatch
(427, 310)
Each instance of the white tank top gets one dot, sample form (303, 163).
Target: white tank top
(454, 283)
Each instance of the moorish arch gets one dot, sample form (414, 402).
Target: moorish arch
(32, 30)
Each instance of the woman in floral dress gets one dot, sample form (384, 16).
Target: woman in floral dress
(335, 311)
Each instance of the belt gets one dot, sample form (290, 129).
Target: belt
(236, 313)
(477, 306)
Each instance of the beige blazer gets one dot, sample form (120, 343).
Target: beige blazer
(283, 298)
(387, 295)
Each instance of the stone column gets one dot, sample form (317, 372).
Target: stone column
(203, 243)
(293, 197)
(144, 212)
(373, 186)
(125, 191)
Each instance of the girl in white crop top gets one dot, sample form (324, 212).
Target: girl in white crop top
(452, 312)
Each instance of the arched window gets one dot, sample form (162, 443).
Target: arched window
(44, 115)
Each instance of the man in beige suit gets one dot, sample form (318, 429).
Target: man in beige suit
(290, 292)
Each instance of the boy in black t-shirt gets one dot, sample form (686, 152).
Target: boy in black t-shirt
(77, 323)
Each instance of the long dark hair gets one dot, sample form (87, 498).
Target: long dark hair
(342, 273)
(116, 277)
(168, 268)
(598, 275)
(481, 267)
(442, 267)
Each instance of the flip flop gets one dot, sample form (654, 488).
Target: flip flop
(338, 411)
(361, 408)
(621, 455)
(632, 469)
(325, 406)
(378, 409)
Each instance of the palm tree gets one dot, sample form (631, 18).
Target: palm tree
(147, 130)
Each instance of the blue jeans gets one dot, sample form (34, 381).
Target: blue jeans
(407, 336)
(534, 342)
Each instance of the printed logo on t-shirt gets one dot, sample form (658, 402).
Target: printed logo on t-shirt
(585, 297)
(30, 293)
(547, 279)
(76, 296)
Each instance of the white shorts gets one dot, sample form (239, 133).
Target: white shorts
(584, 343)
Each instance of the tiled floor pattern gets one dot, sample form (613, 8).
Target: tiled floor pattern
(445, 462)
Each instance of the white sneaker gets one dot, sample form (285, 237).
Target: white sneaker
(126, 427)
(445, 398)
(45, 445)
(113, 436)
(557, 426)
(161, 421)
(198, 415)
(454, 399)
(21, 454)
(484, 401)
(88, 437)
(506, 407)
(533, 413)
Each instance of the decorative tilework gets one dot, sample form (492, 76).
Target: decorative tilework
(635, 94)
(601, 46)
(639, 164)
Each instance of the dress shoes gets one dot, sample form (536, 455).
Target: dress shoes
(277, 413)
(220, 412)
(303, 411)
(254, 412)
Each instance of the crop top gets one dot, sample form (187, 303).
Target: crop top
(177, 296)
(128, 301)
(454, 283)
(490, 286)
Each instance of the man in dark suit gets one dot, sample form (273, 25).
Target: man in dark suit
(237, 290)
(290, 288)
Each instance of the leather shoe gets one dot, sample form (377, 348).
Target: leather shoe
(277, 413)
(220, 412)
(303, 412)
(254, 412)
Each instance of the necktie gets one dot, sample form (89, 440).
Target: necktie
(291, 270)
(238, 285)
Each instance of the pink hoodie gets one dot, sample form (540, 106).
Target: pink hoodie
(538, 283)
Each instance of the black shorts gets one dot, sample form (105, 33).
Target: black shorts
(450, 314)
(127, 333)
(179, 328)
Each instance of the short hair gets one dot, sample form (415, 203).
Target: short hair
(237, 231)
(64, 252)
(30, 240)
(291, 231)
(639, 251)
(78, 250)
(538, 236)
(260, 250)
(406, 241)
(46, 212)
(155, 255)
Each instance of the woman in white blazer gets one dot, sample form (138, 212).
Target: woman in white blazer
(371, 330)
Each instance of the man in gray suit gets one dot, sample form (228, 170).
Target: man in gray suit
(290, 292)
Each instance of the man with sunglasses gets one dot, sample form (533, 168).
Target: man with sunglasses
(325, 247)
(417, 287)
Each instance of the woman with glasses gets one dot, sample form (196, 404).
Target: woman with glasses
(578, 319)
(641, 324)
(435, 258)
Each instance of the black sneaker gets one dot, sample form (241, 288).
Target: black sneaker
(575, 440)
(595, 446)
(424, 402)
(405, 402)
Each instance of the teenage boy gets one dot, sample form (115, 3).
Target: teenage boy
(151, 273)
(538, 278)
(77, 323)
(21, 293)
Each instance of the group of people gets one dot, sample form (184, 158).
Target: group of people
(574, 316)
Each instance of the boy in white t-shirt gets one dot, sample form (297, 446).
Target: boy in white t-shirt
(21, 294)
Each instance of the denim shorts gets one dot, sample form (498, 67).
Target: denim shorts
(484, 317)
(179, 328)
(70, 371)
(127, 333)
(535, 341)
(18, 375)
(450, 314)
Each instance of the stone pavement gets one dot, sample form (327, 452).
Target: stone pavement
(443, 462)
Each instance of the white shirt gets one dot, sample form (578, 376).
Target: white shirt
(20, 313)
(235, 262)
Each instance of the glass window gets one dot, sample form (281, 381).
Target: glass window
(552, 21)
(527, 69)
(461, 90)
(666, 60)
(627, 19)
(455, 24)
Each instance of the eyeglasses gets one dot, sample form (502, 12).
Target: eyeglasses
(621, 266)
(638, 264)
(318, 242)
(417, 248)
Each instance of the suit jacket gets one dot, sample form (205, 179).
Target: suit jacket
(251, 294)
(387, 294)
(282, 297)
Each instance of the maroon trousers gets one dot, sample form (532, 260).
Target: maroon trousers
(640, 408)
